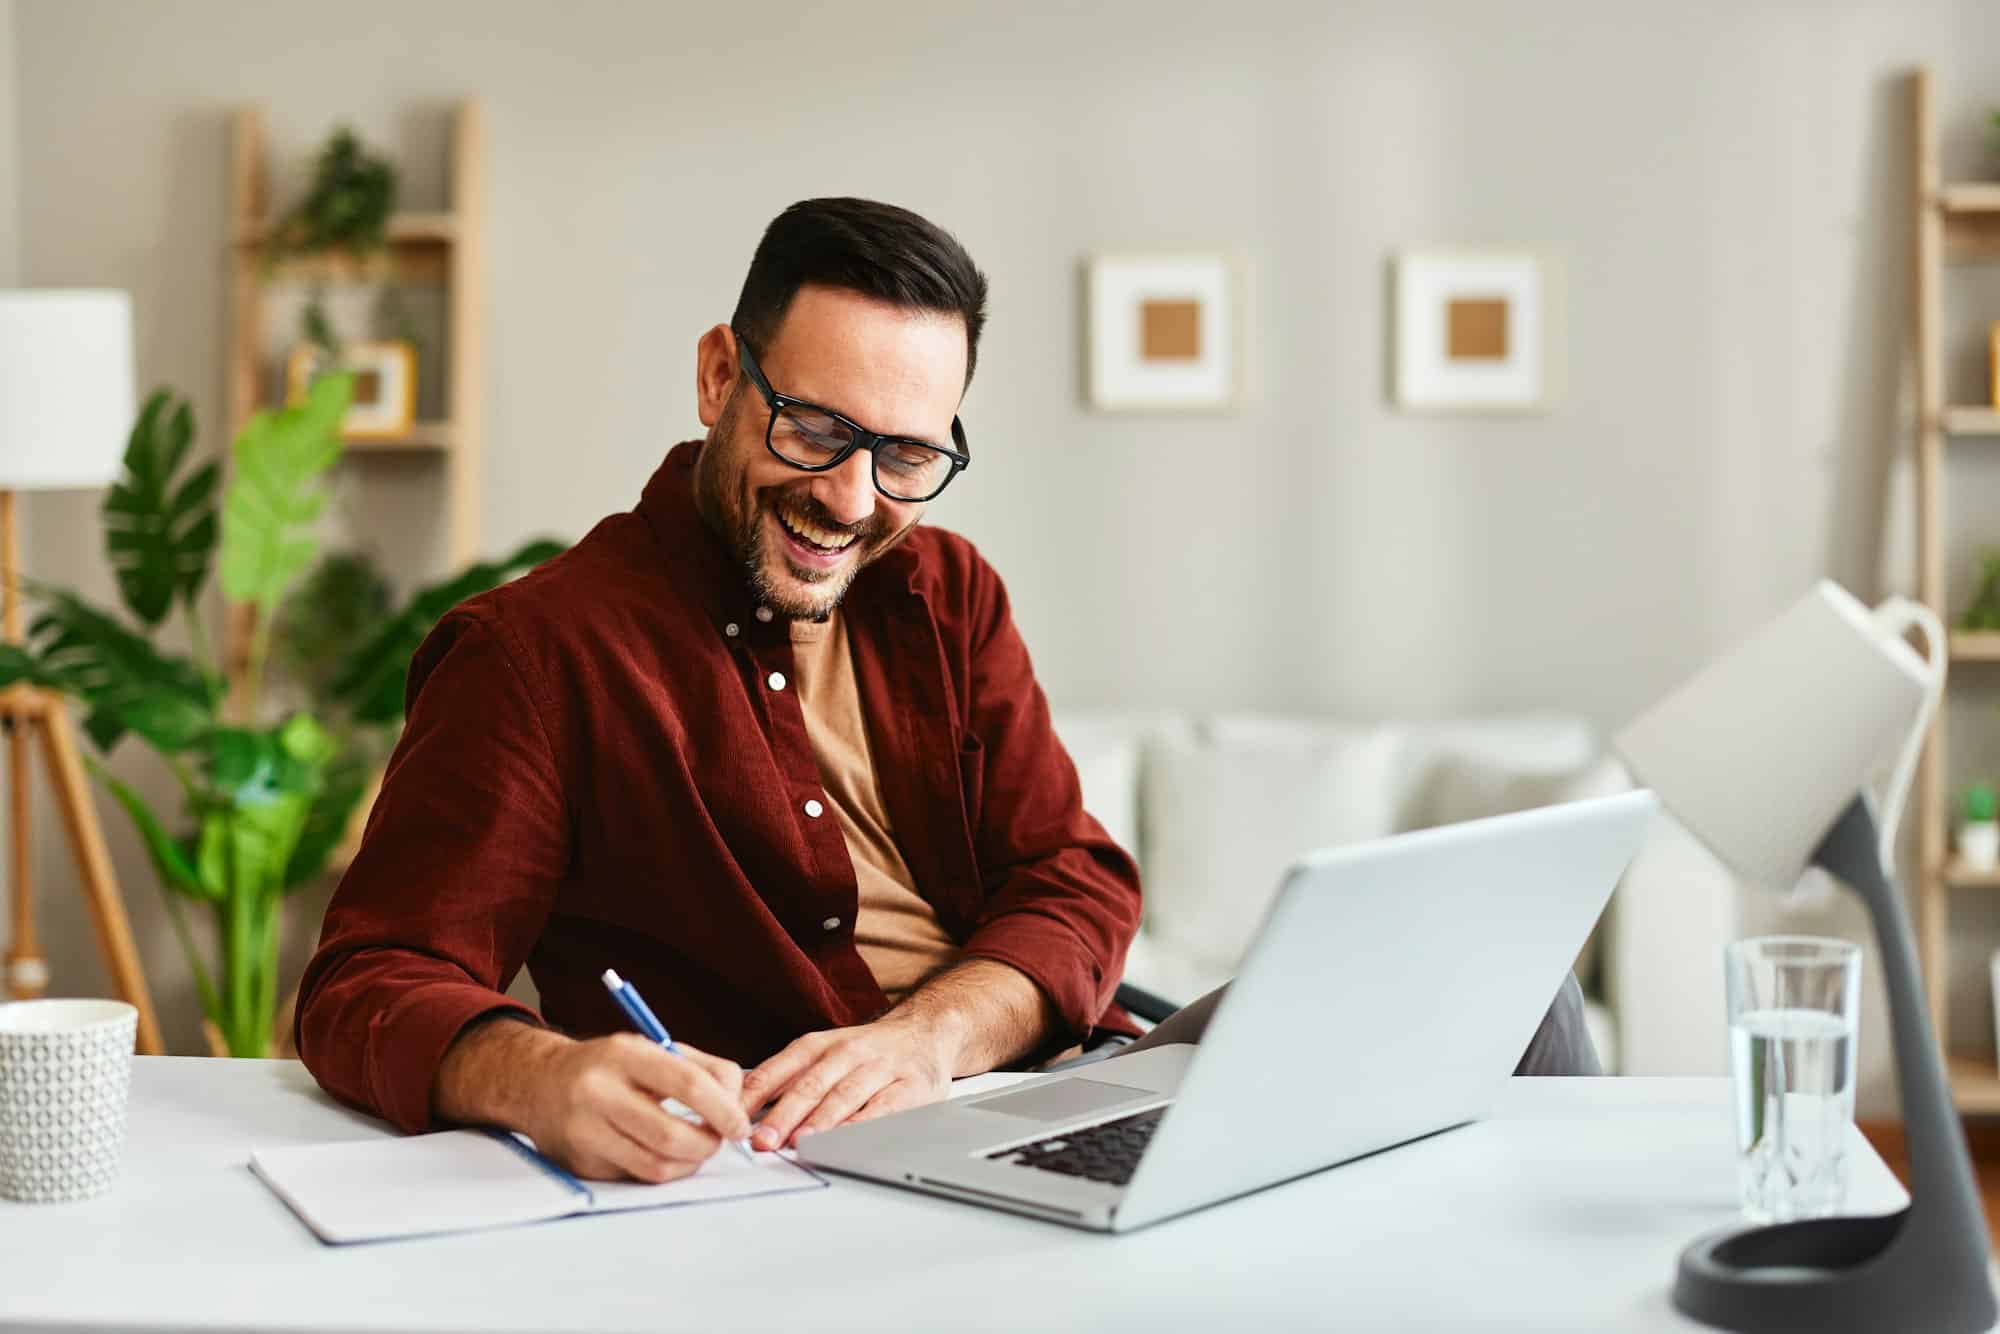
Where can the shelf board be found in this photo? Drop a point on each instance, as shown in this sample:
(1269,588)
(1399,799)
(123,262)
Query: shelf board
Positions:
(1970,420)
(1975,1083)
(1960,876)
(404,229)
(1975,645)
(422,436)
(1967,198)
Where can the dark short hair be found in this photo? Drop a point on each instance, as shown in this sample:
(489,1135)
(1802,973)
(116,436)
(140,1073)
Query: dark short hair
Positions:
(858,245)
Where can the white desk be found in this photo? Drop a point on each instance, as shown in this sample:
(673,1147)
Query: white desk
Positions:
(1564,1212)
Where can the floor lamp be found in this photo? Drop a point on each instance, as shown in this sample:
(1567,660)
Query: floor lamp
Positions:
(66,406)
(1767,757)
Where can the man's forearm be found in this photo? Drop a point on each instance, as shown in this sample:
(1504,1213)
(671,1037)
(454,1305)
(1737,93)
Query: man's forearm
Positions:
(488,1072)
(985,1013)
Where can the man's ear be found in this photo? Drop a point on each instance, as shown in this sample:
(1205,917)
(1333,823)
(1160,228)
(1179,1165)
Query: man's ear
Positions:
(715,372)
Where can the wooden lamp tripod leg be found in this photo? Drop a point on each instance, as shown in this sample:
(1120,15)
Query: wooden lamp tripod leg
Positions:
(100,884)
(27,973)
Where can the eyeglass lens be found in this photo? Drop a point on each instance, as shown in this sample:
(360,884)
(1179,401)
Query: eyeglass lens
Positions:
(904,469)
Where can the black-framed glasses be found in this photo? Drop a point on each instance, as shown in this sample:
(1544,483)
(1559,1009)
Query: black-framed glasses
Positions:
(818,439)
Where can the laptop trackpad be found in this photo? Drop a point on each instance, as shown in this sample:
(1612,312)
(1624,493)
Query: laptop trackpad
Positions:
(1062,1100)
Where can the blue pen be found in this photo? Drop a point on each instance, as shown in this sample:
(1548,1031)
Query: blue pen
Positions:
(643,1019)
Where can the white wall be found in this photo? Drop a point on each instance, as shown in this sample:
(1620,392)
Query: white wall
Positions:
(1725,183)
(10,167)
(10,174)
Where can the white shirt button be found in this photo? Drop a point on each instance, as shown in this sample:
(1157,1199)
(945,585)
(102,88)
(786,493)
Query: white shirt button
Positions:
(731,630)
(830,924)
(764,614)
(776,680)
(814,809)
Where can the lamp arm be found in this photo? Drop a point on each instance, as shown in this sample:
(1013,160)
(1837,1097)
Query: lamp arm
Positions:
(1944,1223)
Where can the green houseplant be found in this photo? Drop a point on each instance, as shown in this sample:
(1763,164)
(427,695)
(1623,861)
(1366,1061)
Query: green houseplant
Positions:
(264,801)
(1983,612)
(1978,834)
(345,210)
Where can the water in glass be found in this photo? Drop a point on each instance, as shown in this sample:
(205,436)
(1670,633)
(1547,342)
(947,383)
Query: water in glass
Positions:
(1794,1081)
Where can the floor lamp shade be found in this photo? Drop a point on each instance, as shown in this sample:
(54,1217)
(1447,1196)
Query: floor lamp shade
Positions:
(66,390)
(1760,753)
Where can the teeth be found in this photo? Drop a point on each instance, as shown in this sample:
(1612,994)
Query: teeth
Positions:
(817,535)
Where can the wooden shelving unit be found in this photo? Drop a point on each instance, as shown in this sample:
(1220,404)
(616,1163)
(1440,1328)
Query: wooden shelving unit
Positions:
(442,249)
(1972,421)
(1954,223)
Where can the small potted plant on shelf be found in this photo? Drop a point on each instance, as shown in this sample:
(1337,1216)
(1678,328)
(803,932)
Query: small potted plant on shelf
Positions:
(345,211)
(1979,834)
(1983,613)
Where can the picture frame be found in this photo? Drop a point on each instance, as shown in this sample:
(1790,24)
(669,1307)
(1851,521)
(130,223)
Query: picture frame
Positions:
(385,385)
(1160,332)
(1475,331)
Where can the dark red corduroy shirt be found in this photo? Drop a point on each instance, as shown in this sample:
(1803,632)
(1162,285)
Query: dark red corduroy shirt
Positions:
(605,766)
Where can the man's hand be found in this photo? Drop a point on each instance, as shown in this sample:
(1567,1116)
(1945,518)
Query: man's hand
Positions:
(847,1074)
(963,1021)
(594,1106)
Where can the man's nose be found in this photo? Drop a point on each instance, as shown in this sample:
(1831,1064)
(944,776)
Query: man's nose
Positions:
(848,492)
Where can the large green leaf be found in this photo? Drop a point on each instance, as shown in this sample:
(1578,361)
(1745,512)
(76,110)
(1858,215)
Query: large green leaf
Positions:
(280,458)
(19,666)
(125,684)
(177,875)
(326,824)
(370,681)
(160,535)
(265,788)
(170,859)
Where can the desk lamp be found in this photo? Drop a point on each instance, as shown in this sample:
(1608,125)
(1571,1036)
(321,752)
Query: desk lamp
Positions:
(1766,757)
(65,410)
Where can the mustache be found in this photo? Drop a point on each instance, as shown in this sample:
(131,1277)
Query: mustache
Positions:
(802,505)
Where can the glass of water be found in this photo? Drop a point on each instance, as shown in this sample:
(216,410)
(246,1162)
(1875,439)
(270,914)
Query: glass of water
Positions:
(1793,1002)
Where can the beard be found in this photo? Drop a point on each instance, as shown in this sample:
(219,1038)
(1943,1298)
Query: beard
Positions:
(736,512)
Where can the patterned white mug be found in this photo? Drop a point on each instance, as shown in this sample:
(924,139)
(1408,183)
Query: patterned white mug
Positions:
(65,1079)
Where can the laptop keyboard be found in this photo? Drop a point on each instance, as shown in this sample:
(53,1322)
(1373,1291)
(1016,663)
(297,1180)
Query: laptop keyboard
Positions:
(1107,1152)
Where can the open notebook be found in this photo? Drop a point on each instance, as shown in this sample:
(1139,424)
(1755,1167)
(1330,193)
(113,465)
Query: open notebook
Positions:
(464,1180)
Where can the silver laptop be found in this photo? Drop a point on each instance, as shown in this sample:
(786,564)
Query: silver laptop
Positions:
(1393,986)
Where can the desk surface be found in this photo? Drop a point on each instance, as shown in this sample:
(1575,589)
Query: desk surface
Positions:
(1564,1211)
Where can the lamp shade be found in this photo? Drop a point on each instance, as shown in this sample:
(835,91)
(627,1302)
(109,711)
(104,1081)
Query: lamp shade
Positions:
(66,391)
(1762,751)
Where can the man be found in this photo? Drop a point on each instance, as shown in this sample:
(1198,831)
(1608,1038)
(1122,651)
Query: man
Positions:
(763,745)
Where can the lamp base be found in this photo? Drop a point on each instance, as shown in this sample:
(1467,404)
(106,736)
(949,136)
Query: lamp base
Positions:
(1924,1268)
(1816,1275)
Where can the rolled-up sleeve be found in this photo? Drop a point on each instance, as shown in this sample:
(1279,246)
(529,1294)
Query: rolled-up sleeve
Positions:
(464,852)
(1061,898)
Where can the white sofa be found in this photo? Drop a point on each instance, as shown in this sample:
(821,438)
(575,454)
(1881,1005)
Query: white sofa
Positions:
(1214,809)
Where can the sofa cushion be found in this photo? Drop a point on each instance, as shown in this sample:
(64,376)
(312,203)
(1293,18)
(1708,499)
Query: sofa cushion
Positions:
(1106,748)
(1226,811)
(1473,769)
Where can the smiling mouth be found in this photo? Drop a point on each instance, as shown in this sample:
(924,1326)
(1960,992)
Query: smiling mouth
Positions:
(820,541)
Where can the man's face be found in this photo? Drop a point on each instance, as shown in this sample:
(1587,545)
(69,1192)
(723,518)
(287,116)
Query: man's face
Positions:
(802,537)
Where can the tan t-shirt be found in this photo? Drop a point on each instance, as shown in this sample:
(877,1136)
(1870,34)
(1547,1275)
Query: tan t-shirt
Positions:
(895,930)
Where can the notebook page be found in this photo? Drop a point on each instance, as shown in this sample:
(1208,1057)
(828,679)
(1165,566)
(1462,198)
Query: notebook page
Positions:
(725,1176)
(452,1181)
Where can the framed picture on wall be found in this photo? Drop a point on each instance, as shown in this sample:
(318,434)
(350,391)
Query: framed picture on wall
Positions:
(1160,333)
(1474,331)
(385,385)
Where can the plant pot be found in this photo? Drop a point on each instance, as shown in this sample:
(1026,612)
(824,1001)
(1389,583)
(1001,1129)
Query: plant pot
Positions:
(1979,844)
